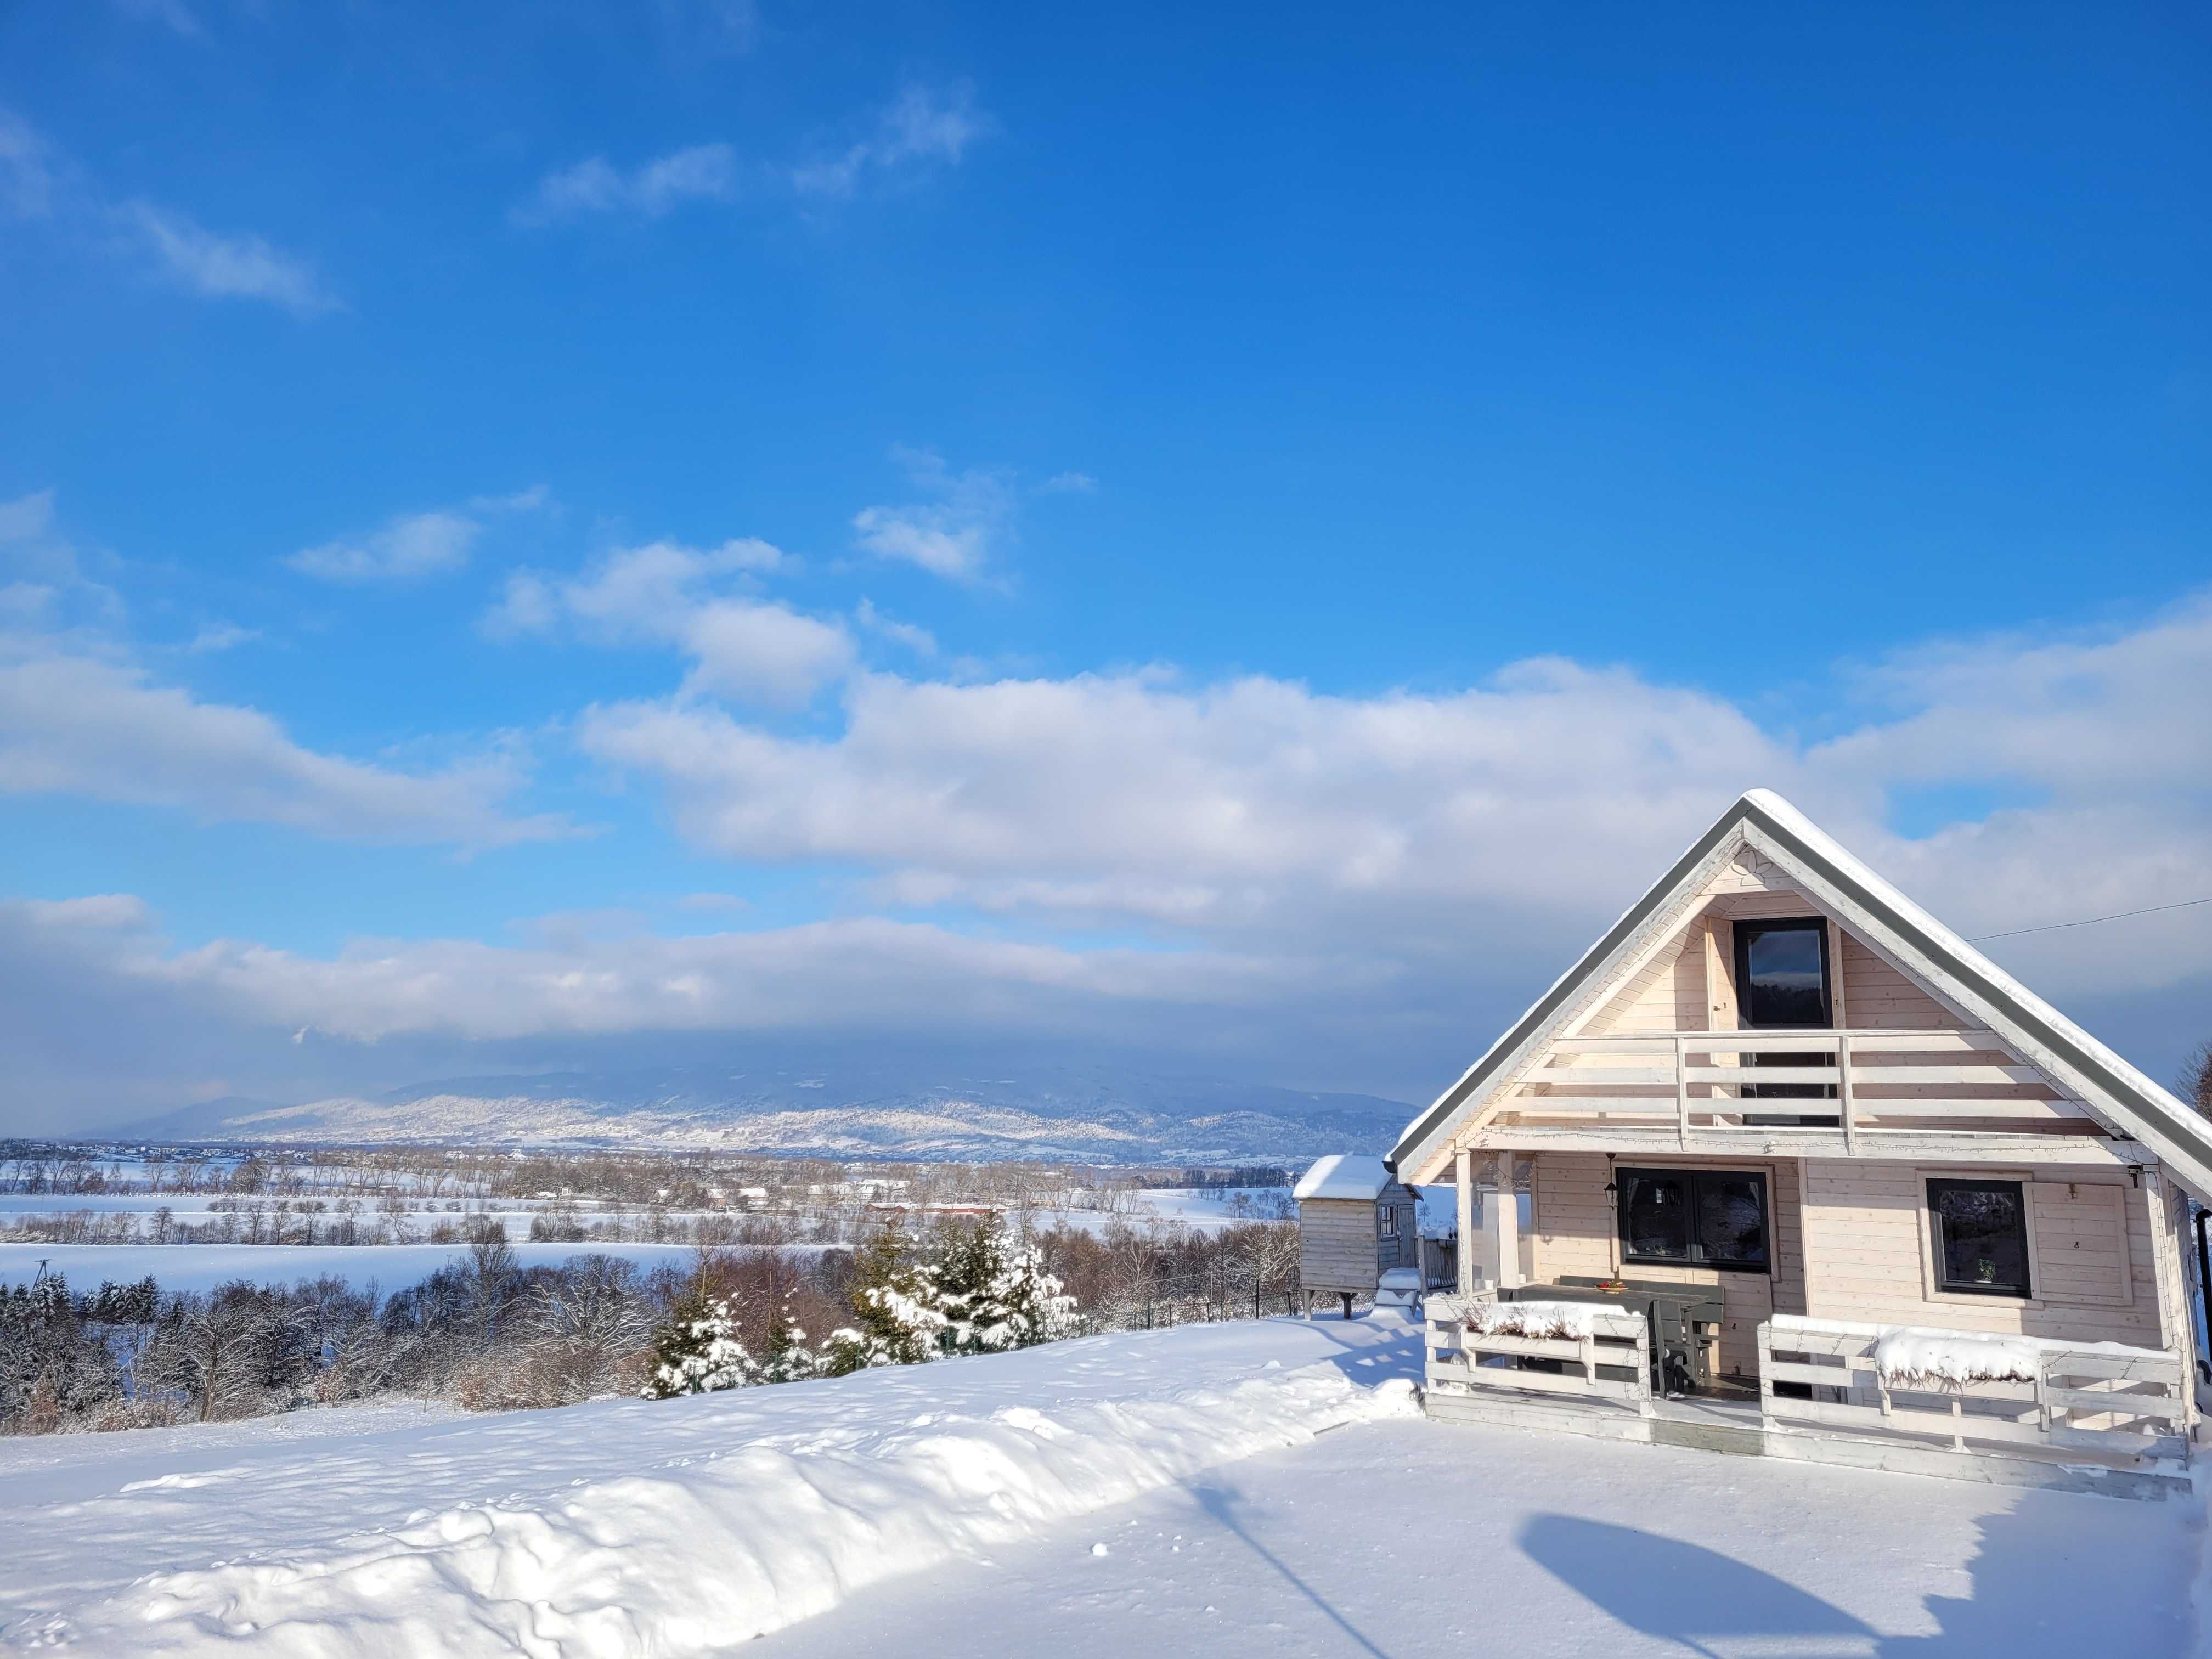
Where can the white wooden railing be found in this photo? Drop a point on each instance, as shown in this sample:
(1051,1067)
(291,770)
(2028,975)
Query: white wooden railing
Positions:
(1465,1360)
(2102,1397)
(1874,1081)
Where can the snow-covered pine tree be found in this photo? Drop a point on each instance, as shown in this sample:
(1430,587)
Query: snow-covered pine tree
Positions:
(897,1302)
(786,1357)
(697,1352)
(996,1294)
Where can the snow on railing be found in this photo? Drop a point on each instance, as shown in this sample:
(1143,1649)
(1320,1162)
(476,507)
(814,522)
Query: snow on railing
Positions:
(1477,1344)
(1961,1386)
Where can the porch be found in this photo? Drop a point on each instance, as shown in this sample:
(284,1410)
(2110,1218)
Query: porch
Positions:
(2102,1418)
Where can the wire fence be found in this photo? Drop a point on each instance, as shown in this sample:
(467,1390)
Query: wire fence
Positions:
(1193,1301)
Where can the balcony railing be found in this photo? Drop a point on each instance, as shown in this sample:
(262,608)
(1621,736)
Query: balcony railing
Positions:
(1862,1082)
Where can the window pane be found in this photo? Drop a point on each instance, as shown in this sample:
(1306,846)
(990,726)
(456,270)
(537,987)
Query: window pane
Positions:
(1732,1219)
(1983,1236)
(1782,982)
(1655,1212)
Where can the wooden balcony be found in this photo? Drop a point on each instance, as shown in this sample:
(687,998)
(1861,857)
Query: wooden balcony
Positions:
(1879,1092)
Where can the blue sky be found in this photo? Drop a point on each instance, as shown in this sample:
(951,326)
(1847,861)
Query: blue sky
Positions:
(1228,538)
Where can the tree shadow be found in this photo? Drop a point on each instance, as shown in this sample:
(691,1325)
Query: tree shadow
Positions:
(2065,1572)
(1678,1592)
(1222,1505)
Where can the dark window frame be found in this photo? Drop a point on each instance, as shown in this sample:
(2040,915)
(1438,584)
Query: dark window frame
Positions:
(1944,1284)
(1745,926)
(1390,1221)
(1695,1256)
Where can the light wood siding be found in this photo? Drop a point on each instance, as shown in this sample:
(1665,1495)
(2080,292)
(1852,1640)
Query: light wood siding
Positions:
(1342,1246)
(1878,997)
(1336,1245)
(1867,1254)
(1577,1235)
(1668,993)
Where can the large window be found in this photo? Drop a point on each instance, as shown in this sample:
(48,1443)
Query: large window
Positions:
(1782,981)
(1693,1219)
(1981,1236)
(1782,974)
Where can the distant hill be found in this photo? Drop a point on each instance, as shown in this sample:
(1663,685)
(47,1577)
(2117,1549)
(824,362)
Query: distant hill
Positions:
(1086,1114)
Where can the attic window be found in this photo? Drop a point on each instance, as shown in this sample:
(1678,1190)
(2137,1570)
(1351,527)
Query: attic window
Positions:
(1782,974)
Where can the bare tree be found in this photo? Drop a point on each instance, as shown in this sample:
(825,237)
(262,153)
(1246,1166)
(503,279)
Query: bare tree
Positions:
(2195,1082)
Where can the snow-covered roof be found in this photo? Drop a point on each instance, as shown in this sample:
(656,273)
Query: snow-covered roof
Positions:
(1344,1175)
(2116,1093)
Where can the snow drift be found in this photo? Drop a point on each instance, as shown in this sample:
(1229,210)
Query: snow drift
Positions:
(752,1531)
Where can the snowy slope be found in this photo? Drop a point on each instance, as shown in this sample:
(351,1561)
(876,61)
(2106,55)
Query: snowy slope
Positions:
(630,1528)
(1081,1114)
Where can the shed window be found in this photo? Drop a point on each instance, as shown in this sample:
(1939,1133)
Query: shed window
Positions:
(1389,1221)
(1981,1236)
(1693,1217)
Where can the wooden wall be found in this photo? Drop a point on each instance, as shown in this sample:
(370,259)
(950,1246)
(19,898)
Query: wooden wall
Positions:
(1340,1242)
(1576,1232)
(1866,1246)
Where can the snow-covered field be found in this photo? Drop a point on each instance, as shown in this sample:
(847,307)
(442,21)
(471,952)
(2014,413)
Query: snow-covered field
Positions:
(1217,1490)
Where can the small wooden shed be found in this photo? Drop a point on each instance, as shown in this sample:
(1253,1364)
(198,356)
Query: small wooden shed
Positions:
(1356,1221)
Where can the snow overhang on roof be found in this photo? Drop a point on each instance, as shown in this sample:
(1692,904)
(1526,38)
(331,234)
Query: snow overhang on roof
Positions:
(2126,1100)
(1344,1175)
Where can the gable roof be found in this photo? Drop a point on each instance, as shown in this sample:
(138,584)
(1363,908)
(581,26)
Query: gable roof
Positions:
(1344,1175)
(2122,1097)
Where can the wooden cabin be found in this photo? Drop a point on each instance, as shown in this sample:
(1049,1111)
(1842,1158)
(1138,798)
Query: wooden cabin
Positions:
(1356,1221)
(1810,1176)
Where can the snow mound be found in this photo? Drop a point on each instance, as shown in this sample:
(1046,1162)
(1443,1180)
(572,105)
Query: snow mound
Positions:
(750,1534)
(1343,1174)
(1909,1356)
(1571,1320)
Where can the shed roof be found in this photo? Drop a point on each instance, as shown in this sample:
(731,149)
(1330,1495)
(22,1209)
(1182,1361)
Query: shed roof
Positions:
(1345,1175)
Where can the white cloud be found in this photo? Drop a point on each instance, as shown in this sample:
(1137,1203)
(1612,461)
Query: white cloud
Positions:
(663,592)
(27,169)
(920,128)
(916,638)
(173,15)
(234,267)
(1520,814)
(905,975)
(412,545)
(221,637)
(94,910)
(72,725)
(954,535)
(702,172)
(38,182)
(27,517)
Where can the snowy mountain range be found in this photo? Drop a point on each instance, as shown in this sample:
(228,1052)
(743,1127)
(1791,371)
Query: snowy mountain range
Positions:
(1085,1113)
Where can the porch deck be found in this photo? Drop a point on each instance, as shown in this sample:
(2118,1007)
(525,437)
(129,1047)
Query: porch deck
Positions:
(2104,1419)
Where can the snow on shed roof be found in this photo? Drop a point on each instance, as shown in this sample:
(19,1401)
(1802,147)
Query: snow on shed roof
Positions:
(2113,1089)
(1344,1175)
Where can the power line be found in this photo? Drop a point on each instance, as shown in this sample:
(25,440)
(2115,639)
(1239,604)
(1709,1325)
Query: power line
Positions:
(2088,921)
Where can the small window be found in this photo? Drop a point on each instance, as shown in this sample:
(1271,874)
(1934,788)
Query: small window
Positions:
(1389,1221)
(1981,1236)
(1693,1217)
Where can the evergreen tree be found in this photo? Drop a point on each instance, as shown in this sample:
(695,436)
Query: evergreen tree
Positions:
(697,1352)
(996,1295)
(897,1301)
(788,1358)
